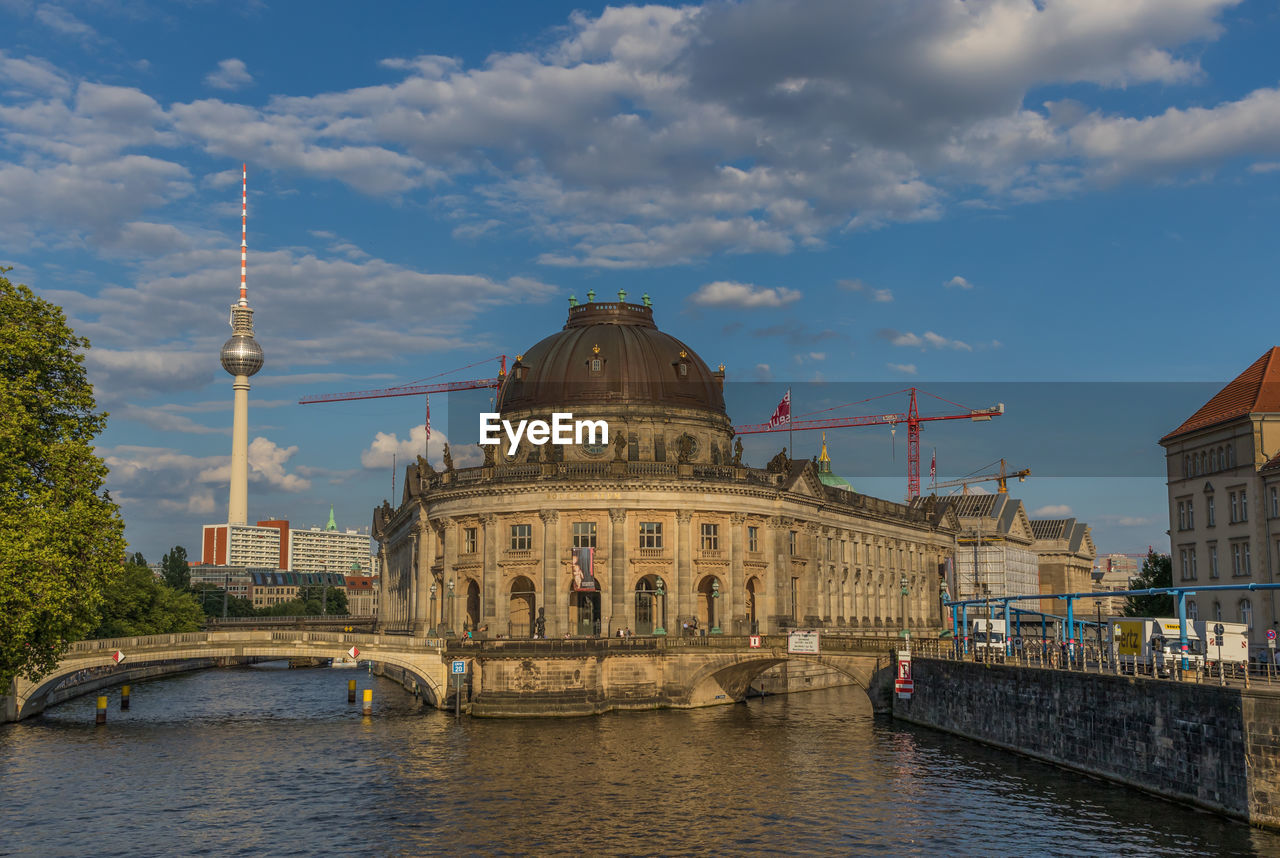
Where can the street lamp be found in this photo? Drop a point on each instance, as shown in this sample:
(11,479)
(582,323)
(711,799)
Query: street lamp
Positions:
(906,631)
(715,610)
(433,606)
(451,595)
(662,612)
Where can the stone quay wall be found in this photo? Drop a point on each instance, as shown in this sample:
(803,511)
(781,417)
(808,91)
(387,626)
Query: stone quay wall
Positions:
(1212,747)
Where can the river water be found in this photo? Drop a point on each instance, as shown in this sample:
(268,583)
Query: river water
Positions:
(269,761)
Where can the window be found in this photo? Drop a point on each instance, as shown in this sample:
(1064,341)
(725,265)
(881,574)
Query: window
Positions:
(1213,459)
(468,540)
(1213,561)
(1184,556)
(659,448)
(1244,552)
(1275,502)
(1191,611)
(1182,515)
(1246,613)
(521,537)
(595,364)
(1209,509)
(753,538)
(650,534)
(1239,559)
(791,543)
(633,447)
(710,537)
(1194,571)
(1186,467)
(1231,457)
(584,534)
(1235,508)
(1191,516)
(1244,504)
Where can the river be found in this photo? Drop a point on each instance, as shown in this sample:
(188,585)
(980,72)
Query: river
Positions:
(269,761)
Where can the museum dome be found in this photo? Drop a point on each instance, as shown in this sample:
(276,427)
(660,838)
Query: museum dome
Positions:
(611,354)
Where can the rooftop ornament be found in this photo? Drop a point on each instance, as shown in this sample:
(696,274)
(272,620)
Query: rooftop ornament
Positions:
(591,296)
(573,300)
(622,296)
(646,300)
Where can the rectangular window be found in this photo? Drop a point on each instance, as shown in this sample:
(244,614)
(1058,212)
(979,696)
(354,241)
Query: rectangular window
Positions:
(1275,503)
(1213,561)
(1235,508)
(791,543)
(521,537)
(1248,570)
(1191,515)
(584,534)
(650,534)
(633,447)
(659,448)
(469,540)
(1244,504)
(1209,510)
(753,538)
(1186,564)
(710,537)
(1235,560)
(1182,516)
(1194,571)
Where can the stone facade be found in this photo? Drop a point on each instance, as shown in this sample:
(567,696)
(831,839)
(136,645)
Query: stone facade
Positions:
(685,535)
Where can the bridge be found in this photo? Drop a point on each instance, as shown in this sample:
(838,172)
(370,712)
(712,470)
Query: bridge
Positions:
(504,678)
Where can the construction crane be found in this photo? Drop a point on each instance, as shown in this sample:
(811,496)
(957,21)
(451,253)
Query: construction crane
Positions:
(1002,476)
(911,417)
(423,390)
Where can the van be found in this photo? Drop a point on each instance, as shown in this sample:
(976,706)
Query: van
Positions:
(1154,644)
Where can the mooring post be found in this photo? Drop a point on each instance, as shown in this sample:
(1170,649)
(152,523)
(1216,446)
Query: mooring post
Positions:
(368,701)
(124,697)
(351,691)
(101,717)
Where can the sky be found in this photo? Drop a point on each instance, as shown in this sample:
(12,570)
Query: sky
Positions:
(1067,206)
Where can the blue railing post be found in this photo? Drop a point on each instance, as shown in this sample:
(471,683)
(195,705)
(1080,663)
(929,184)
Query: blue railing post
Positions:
(1008,644)
(1182,627)
(964,619)
(1071,628)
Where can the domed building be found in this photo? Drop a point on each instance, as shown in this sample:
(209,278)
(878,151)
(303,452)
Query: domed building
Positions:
(663,530)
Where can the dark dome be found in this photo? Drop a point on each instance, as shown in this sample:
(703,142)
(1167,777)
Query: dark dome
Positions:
(611,354)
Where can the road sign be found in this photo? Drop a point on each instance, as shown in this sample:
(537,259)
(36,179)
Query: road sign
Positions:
(803,642)
(117,656)
(1219,629)
(903,684)
(353,652)
(459,667)
(1271,634)
(754,642)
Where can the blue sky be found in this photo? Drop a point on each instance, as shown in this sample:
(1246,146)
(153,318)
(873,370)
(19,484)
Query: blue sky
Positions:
(983,197)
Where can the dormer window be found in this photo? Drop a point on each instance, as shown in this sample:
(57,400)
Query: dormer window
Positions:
(596,364)
(682,365)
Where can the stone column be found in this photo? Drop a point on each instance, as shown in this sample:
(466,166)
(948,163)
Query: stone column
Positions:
(779,532)
(551,596)
(617,572)
(422,578)
(380,621)
(684,569)
(449,607)
(493,610)
(734,618)
(811,586)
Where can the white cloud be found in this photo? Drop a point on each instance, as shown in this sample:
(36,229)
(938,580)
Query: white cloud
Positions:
(723,293)
(957,282)
(386,445)
(63,22)
(230,74)
(880,296)
(904,368)
(1060,510)
(924,341)
(267,465)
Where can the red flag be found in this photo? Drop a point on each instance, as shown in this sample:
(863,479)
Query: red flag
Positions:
(782,414)
(933,466)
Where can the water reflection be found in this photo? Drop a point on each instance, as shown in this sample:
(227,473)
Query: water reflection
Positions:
(242,762)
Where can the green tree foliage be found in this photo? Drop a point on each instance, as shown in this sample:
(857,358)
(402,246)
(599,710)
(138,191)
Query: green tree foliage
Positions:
(177,574)
(210,598)
(138,604)
(61,537)
(312,601)
(1157,571)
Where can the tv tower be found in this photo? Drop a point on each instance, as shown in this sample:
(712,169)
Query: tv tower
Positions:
(241,357)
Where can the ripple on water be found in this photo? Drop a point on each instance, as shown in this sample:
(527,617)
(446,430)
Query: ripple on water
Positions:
(254,761)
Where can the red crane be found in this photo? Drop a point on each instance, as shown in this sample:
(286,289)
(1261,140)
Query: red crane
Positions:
(424,390)
(912,418)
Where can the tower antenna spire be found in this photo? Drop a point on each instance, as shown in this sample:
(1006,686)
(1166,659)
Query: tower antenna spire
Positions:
(244,232)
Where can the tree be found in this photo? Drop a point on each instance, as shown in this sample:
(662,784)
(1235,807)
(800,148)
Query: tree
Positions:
(61,537)
(312,601)
(174,568)
(211,600)
(138,604)
(1157,571)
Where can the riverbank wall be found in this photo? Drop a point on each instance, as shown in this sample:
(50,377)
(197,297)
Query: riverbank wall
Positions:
(1212,747)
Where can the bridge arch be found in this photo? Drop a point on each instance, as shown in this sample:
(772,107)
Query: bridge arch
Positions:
(731,676)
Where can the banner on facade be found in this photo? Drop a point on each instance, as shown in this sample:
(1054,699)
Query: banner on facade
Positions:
(584,569)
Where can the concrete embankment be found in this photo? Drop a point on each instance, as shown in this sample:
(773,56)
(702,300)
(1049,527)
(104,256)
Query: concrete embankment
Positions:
(1212,747)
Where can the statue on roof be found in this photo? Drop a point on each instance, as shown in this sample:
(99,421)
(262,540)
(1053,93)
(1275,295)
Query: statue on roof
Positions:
(448,460)
(779,464)
(619,447)
(685,451)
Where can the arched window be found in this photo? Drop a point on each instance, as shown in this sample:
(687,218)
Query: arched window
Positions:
(1213,459)
(1231,457)
(1246,613)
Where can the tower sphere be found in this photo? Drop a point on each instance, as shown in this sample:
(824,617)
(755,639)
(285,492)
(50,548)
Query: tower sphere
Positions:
(241,355)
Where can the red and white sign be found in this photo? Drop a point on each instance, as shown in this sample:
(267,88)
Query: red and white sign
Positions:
(782,414)
(754,642)
(902,683)
(117,656)
(353,652)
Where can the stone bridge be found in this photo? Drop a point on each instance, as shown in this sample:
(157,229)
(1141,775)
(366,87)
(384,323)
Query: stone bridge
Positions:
(505,678)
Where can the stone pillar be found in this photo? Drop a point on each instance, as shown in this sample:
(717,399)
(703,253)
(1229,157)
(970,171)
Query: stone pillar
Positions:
(449,608)
(551,596)
(684,569)
(734,618)
(493,610)
(779,531)
(811,586)
(422,620)
(384,575)
(617,572)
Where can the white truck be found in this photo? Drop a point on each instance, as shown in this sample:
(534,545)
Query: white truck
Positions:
(1232,646)
(1154,643)
(988,636)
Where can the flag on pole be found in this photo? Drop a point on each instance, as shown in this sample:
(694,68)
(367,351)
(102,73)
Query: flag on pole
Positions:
(782,414)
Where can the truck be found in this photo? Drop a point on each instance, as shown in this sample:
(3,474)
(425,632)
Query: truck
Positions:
(1153,643)
(1234,642)
(988,636)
